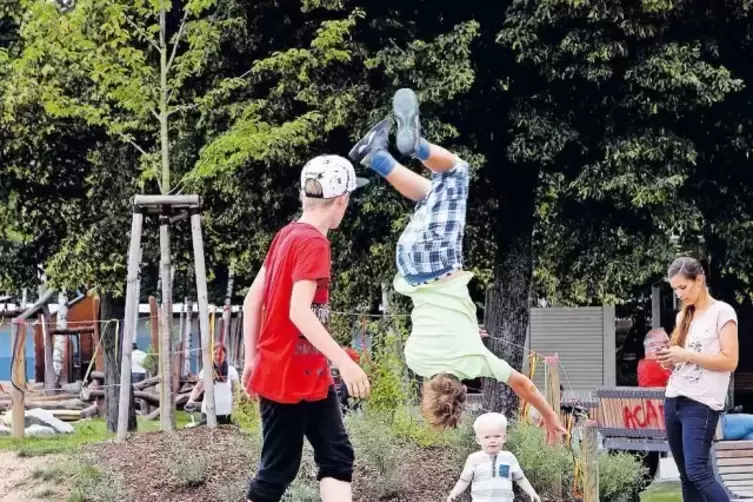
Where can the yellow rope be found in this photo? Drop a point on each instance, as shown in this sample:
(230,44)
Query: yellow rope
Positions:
(533,360)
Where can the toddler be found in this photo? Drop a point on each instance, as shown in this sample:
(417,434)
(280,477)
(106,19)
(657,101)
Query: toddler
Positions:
(491,471)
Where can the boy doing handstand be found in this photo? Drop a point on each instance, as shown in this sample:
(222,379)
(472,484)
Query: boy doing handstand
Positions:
(444,346)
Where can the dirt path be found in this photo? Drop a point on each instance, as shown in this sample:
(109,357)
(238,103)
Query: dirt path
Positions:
(16,484)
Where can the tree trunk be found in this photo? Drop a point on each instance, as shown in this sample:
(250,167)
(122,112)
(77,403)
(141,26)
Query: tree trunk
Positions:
(60,341)
(508,301)
(111,308)
(167,414)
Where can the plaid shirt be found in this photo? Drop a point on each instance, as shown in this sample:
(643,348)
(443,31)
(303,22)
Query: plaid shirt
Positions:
(432,243)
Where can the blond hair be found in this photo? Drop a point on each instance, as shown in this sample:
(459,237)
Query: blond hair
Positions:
(491,419)
(311,196)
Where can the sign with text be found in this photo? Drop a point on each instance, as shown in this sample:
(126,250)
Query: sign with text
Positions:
(633,409)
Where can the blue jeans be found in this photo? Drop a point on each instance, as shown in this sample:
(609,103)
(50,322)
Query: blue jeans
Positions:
(690,430)
(737,426)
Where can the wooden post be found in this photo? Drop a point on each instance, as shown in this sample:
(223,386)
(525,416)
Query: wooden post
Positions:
(201,291)
(99,359)
(188,338)
(131,308)
(238,339)
(18,379)
(554,398)
(226,313)
(167,401)
(49,368)
(589,452)
(154,324)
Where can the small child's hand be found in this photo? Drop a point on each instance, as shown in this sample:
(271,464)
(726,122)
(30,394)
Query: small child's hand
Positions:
(450,497)
(535,498)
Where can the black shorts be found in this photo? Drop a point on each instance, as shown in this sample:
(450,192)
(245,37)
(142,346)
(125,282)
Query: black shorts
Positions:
(283,427)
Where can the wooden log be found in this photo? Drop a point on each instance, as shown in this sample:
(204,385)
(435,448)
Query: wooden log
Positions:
(91,411)
(145,384)
(174,201)
(201,291)
(132,305)
(589,452)
(138,394)
(179,400)
(70,404)
(78,330)
(18,376)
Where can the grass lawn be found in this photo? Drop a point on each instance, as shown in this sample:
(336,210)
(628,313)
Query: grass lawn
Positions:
(662,492)
(86,431)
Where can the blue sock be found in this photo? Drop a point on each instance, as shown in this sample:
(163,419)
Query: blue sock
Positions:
(383,163)
(424,150)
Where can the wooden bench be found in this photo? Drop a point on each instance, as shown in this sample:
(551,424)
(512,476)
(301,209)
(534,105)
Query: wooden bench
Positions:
(733,467)
(632,418)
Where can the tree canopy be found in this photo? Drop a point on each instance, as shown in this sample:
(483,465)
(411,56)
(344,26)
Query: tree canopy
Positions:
(604,136)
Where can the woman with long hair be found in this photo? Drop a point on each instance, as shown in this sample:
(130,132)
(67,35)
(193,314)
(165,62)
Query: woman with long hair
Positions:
(224,377)
(702,353)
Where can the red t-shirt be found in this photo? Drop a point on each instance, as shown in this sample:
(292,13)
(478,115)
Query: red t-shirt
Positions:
(288,369)
(652,374)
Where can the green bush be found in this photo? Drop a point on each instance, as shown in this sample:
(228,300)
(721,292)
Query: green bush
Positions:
(619,474)
(542,464)
(246,412)
(377,446)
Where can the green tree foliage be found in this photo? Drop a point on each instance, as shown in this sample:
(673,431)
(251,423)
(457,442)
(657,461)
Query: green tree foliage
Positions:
(621,99)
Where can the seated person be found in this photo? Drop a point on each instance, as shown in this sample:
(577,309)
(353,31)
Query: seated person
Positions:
(650,372)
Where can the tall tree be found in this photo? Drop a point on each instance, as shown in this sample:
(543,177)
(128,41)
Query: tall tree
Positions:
(603,99)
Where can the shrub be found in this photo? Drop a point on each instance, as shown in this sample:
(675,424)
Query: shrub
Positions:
(376,445)
(188,469)
(619,474)
(90,483)
(542,464)
(246,412)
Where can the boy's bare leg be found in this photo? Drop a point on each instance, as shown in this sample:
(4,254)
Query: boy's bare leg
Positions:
(333,490)
(372,152)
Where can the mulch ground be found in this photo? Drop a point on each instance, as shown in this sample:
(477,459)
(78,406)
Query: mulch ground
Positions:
(200,465)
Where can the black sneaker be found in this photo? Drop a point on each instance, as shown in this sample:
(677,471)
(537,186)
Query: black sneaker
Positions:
(405,110)
(376,139)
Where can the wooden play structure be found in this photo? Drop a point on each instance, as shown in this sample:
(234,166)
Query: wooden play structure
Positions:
(632,419)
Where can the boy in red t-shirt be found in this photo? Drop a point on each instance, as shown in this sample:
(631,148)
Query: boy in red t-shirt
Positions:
(288,348)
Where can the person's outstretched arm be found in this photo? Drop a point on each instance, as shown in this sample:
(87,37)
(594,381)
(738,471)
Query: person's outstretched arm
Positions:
(527,391)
